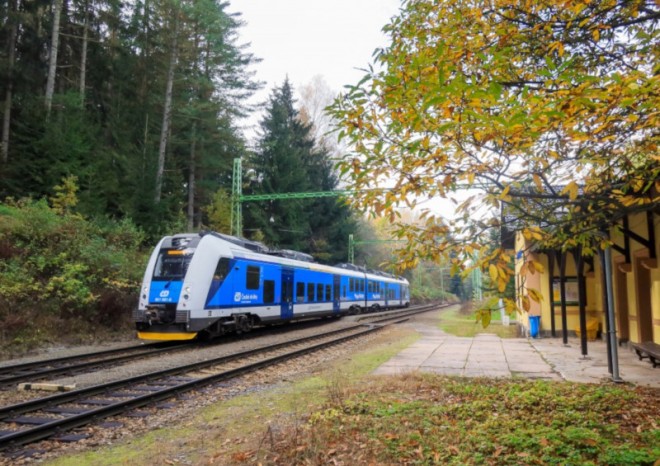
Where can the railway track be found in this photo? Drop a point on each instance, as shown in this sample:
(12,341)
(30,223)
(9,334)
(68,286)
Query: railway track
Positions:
(52,416)
(69,365)
(36,371)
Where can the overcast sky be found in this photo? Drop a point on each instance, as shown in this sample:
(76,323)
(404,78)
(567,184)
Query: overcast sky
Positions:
(304,38)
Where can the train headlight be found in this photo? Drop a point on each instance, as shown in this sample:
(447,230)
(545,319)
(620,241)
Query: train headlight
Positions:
(186,294)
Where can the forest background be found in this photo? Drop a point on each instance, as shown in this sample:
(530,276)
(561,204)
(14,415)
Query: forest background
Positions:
(120,124)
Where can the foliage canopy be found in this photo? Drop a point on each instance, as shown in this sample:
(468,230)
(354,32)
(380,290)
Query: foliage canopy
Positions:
(549,108)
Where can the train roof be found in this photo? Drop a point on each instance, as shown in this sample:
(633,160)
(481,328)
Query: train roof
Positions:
(257,250)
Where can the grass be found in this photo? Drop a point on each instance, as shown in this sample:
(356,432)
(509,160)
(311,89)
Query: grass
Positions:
(462,324)
(427,419)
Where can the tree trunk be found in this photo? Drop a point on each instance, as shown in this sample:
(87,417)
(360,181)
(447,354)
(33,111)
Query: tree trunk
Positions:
(167,112)
(6,114)
(144,57)
(191,180)
(52,65)
(83,58)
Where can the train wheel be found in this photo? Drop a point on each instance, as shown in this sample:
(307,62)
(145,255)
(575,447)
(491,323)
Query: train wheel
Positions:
(243,323)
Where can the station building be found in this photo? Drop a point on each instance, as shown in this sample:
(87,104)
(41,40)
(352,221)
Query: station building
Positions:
(573,288)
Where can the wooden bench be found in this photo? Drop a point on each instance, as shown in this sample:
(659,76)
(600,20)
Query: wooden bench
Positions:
(649,350)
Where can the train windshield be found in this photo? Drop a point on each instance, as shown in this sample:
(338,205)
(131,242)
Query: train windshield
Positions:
(172,265)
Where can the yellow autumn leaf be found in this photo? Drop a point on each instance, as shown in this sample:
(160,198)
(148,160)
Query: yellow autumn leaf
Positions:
(535,295)
(538,266)
(505,194)
(525,303)
(501,285)
(571,189)
(492,270)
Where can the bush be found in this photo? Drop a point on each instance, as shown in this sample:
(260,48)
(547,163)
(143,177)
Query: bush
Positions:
(64,278)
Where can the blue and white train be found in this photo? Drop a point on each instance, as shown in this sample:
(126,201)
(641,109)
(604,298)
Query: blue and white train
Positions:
(208,284)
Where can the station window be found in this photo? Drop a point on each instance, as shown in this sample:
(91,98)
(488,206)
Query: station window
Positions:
(252,278)
(269,291)
(319,292)
(300,292)
(310,292)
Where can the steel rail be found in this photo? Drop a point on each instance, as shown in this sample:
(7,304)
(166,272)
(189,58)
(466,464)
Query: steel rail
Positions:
(57,426)
(72,368)
(21,372)
(64,359)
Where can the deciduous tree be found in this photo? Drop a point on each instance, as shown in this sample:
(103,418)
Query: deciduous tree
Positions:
(549,107)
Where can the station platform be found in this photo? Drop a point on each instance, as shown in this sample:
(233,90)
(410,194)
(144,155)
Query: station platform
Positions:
(487,355)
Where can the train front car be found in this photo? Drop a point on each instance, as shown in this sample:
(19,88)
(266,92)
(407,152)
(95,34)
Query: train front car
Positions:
(171,288)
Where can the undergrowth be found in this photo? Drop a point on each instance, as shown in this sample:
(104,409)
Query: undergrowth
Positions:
(426,419)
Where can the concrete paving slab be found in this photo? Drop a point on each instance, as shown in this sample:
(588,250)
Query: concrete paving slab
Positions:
(452,364)
(445,371)
(530,368)
(487,355)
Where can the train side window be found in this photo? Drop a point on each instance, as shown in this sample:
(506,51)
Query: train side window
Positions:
(336,291)
(361,282)
(310,292)
(300,292)
(252,277)
(221,270)
(351,285)
(269,291)
(328,293)
(319,292)
(344,293)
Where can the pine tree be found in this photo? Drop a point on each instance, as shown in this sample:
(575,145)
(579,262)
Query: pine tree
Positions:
(288,160)
(279,167)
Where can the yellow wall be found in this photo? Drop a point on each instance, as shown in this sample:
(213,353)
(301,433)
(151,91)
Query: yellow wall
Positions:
(637,224)
(594,305)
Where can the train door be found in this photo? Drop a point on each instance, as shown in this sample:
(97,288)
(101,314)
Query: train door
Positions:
(386,294)
(336,285)
(286,303)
